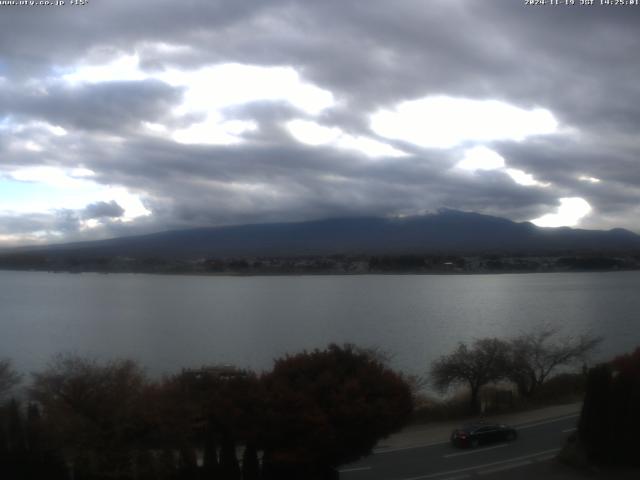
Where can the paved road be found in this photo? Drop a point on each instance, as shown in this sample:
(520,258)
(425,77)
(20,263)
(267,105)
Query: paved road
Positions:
(538,441)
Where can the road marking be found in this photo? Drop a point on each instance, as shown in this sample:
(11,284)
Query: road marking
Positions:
(544,422)
(411,447)
(485,465)
(354,469)
(489,471)
(459,477)
(569,430)
(476,450)
(544,458)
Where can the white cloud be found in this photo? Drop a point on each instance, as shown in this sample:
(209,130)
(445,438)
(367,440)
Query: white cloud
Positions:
(51,176)
(586,178)
(483,158)
(31,146)
(568,214)
(211,89)
(213,131)
(43,189)
(123,68)
(220,86)
(523,178)
(444,122)
(368,146)
(312,133)
(90,223)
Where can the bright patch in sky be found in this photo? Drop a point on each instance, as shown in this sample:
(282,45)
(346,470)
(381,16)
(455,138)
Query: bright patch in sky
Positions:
(569,213)
(45,189)
(213,131)
(210,90)
(124,68)
(483,158)
(314,134)
(444,122)
(523,178)
(56,130)
(31,146)
(220,86)
(585,178)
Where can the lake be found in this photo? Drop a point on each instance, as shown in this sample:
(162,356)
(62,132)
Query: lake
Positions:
(169,322)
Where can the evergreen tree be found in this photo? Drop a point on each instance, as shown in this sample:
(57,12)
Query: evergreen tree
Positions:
(250,463)
(187,463)
(167,465)
(16,430)
(593,427)
(210,465)
(229,467)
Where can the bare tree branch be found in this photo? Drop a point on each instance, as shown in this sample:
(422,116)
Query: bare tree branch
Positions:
(9,378)
(534,356)
(475,366)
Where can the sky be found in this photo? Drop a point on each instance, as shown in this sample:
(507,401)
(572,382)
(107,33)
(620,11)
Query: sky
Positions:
(121,118)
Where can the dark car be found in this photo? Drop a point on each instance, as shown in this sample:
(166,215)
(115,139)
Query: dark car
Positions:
(477,434)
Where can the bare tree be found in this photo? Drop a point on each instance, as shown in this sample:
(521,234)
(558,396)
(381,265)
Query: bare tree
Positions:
(9,378)
(533,357)
(93,409)
(475,366)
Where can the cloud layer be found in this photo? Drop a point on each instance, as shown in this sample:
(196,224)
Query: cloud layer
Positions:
(218,112)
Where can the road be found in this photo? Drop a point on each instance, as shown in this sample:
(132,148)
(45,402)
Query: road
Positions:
(538,441)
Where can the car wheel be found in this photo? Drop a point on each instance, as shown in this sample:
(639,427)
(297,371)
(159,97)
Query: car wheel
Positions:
(474,443)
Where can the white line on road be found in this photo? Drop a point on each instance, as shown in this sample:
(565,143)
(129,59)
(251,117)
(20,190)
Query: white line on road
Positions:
(544,422)
(544,458)
(411,447)
(485,465)
(354,469)
(569,430)
(476,450)
(504,467)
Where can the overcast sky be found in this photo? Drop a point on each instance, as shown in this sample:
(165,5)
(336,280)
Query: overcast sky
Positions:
(123,117)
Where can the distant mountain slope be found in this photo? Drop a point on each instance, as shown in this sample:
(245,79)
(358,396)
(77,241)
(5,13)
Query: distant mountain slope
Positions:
(448,231)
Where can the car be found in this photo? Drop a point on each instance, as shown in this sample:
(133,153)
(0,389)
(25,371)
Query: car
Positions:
(475,434)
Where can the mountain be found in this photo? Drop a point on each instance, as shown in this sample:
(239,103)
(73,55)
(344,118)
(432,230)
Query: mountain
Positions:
(447,231)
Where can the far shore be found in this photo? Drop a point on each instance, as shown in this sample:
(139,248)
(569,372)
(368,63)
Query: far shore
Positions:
(314,273)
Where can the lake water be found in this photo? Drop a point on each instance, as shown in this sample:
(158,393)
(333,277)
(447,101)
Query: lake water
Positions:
(169,322)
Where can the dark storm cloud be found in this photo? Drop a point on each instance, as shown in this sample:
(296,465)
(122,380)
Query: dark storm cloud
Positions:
(225,185)
(10,224)
(580,63)
(34,40)
(103,210)
(110,107)
(62,221)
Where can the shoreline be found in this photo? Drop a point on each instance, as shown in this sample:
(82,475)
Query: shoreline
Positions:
(314,273)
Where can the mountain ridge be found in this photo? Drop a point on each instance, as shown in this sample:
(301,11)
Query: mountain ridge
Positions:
(447,231)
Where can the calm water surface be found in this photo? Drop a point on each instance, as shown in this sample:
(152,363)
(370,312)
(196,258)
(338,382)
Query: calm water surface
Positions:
(168,322)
